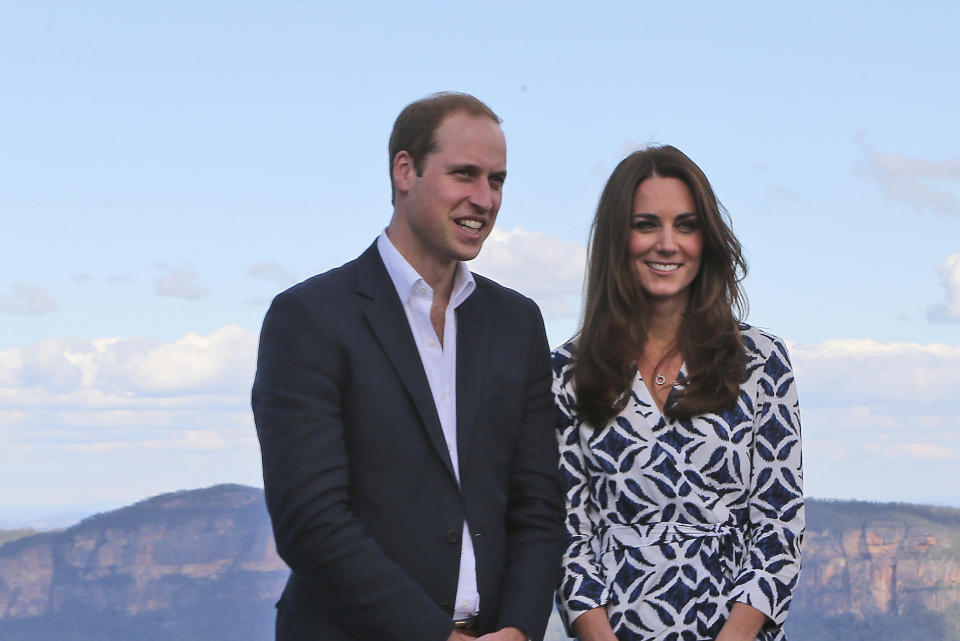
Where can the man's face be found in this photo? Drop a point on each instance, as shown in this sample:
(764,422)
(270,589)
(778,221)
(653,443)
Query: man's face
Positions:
(449,210)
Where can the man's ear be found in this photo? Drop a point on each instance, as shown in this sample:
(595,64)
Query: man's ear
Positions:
(403,170)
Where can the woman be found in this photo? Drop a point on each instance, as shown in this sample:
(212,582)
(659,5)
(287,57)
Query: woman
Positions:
(680,433)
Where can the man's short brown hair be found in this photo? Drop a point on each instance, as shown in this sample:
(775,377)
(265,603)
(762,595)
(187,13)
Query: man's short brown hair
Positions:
(414,128)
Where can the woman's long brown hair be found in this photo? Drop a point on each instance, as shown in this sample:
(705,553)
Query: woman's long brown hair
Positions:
(613,332)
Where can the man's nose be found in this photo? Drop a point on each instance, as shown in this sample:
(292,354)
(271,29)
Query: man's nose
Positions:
(483,196)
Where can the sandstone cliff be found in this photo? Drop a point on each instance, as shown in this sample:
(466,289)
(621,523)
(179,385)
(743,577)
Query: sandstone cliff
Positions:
(202,565)
(180,561)
(872,567)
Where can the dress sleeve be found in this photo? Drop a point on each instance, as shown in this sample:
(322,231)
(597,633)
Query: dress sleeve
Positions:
(582,587)
(772,564)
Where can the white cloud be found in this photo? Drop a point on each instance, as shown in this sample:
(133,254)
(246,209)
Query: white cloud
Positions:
(178,282)
(260,302)
(117,371)
(181,407)
(880,420)
(949,310)
(198,440)
(831,451)
(778,194)
(27,298)
(854,418)
(192,364)
(546,268)
(848,371)
(915,181)
(271,271)
(921,452)
(10,365)
(893,433)
(64,397)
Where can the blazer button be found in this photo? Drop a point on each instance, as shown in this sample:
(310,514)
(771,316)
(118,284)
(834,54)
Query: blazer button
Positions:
(453,536)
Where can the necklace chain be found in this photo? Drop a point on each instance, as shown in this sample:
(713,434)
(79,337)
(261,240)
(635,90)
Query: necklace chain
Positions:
(659,379)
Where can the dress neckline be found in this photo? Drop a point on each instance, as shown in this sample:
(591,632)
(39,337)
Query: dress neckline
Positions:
(643,394)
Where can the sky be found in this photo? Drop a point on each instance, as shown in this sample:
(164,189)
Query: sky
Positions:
(168,167)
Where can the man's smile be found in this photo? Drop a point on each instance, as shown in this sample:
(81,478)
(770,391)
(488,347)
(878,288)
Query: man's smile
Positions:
(470,223)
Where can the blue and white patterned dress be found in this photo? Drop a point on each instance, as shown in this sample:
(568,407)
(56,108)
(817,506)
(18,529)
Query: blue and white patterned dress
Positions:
(671,521)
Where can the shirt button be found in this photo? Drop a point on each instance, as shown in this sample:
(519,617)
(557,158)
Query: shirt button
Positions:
(453,536)
(431,343)
(443,395)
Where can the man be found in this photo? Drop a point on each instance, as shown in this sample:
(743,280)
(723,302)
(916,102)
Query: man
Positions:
(404,414)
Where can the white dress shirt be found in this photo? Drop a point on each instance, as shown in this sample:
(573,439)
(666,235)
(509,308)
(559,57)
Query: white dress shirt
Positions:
(440,364)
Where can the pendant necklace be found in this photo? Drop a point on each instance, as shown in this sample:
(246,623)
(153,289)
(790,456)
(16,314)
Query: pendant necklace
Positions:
(660,379)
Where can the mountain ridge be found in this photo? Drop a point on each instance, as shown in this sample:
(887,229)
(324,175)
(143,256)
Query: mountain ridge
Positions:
(201,564)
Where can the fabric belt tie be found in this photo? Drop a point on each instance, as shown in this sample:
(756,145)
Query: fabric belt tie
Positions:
(639,536)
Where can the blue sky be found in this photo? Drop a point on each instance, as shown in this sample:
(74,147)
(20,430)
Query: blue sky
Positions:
(168,167)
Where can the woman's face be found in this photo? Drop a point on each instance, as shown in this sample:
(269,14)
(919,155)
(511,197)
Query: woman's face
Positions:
(666,240)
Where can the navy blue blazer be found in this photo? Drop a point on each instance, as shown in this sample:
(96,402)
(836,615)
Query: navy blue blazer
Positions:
(365,507)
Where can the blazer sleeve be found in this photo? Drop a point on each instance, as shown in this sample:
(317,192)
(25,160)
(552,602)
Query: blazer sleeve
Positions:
(297,410)
(772,565)
(535,508)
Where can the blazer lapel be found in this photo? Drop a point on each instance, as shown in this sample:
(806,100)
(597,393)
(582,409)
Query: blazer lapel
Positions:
(473,336)
(389,323)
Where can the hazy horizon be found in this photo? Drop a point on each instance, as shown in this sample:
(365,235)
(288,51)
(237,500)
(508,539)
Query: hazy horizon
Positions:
(51,517)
